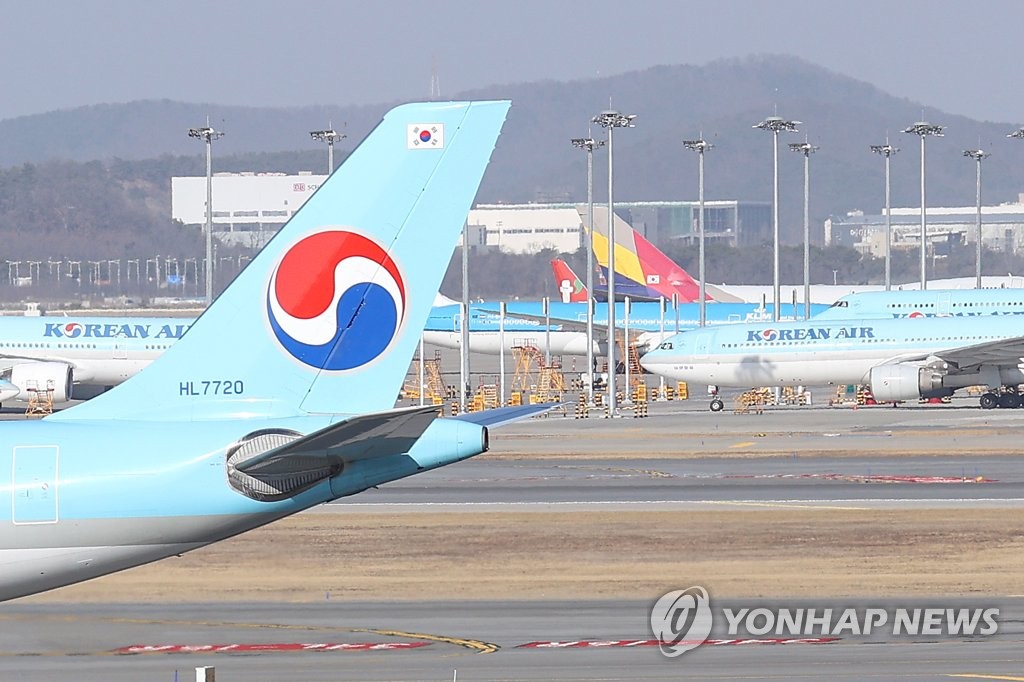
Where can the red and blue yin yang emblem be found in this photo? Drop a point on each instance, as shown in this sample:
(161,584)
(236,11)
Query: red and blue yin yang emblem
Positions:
(336,300)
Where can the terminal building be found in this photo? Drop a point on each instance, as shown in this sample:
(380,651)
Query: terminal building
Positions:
(529,228)
(1002,229)
(248,208)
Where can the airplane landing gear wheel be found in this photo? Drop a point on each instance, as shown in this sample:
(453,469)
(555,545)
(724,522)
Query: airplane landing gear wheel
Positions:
(989,401)
(1009,400)
(717,405)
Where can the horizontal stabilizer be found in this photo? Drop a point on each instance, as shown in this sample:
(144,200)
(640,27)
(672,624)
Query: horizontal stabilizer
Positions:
(721,295)
(505,415)
(367,436)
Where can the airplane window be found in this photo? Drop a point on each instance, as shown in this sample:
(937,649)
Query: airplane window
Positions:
(666,346)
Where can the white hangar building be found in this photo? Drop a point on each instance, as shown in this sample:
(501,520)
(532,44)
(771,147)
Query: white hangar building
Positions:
(248,208)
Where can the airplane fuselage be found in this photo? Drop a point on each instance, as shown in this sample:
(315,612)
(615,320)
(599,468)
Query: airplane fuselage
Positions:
(70,512)
(103,351)
(816,352)
(965,303)
(524,324)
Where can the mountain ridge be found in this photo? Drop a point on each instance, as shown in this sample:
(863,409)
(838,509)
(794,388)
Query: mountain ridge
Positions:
(534,160)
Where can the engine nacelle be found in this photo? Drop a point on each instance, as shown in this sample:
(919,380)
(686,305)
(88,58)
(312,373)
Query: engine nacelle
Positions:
(890,383)
(33,377)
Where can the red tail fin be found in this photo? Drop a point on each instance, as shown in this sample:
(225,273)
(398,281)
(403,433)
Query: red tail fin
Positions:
(663,275)
(570,287)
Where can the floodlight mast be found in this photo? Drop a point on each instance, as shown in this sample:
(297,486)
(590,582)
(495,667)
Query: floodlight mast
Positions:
(208,135)
(977,155)
(589,144)
(924,129)
(806,148)
(887,150)
(700,146)
(330,136)
(611,120)
(775,125)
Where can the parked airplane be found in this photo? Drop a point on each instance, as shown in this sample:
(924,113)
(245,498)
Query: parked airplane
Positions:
(571,288)
(638,260)
(899,359)
(280,396)
(56,353)
(829,293)
(525,323)
(927,303)
(642,271)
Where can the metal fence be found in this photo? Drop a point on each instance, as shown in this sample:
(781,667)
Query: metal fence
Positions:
(156,276)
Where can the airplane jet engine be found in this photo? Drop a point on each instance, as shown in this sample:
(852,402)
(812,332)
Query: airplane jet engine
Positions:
(891,383)
(30,377)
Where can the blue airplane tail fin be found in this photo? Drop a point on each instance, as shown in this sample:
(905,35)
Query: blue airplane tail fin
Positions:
(326,317)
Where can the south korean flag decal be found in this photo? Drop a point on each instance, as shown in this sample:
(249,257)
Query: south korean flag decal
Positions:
(425,136)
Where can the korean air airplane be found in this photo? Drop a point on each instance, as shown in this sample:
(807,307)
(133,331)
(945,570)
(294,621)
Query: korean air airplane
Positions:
(525,323)
(54,354)
(900,359)
(927,303)
(280,397)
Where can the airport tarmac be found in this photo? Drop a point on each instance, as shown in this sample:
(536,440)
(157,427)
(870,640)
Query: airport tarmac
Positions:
(557,500)
(488,640)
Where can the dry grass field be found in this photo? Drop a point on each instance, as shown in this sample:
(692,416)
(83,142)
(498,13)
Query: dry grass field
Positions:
(765,551)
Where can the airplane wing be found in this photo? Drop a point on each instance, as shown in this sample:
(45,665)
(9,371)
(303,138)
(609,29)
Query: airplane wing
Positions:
(8,360)
(367,436)
(505,415)
(721,295)
(969,358)
(557,323)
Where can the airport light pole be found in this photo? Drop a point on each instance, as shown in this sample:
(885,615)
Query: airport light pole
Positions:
(330,136)
(887,150)
(589,144)
(806,148)
(977,155)
(924,129)
(464,375)
(775,125)
(612,120)
(700,146)
(208,135)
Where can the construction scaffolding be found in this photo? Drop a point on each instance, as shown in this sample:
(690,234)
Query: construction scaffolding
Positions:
(525,358)
(434,389)
(485,398)
(550,382)
(636,372)
(40,401)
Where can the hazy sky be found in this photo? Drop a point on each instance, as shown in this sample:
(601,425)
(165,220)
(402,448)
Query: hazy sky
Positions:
(963,57)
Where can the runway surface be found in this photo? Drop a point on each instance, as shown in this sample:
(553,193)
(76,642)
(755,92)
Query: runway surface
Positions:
(682,457)
(477,641)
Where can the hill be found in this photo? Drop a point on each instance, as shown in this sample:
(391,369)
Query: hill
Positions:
(534,159)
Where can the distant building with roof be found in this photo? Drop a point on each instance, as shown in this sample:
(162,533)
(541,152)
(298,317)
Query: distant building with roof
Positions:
(1002,229)
(248,208)
(529,228)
